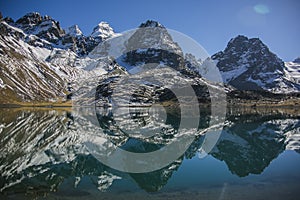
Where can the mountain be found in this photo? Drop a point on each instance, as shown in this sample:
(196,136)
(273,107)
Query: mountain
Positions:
(58,152)
(292,70)
(42,62)
(248,64)
(152,43)
(42,26)
(74,31)
(145,55)
(102,31)
(43,31)
(24,74)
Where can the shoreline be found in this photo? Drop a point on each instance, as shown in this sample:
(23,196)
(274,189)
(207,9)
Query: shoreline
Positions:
(230,104)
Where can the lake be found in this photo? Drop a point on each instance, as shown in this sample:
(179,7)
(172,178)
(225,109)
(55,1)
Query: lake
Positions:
(69,153)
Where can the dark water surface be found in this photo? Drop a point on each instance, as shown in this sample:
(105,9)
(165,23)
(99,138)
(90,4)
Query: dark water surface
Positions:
(43,154)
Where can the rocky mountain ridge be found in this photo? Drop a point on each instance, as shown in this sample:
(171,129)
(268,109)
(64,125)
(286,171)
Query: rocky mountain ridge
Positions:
(43,31)
(41,62)
(248,64)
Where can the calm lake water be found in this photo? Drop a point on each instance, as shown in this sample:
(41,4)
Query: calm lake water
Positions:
(44,154)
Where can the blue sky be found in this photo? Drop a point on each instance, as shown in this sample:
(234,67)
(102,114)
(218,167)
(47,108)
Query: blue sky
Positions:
(211,23)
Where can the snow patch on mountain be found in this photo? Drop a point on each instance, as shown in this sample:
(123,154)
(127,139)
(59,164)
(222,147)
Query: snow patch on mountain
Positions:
(103,31)
(292,71)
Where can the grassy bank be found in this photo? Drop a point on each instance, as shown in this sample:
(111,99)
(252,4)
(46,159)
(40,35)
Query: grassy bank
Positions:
(293,102)
(37,104)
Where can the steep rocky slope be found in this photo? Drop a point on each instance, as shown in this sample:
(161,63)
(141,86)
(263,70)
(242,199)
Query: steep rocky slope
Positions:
(248,64)
(41,62)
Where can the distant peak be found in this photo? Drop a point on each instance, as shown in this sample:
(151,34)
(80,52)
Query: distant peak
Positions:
(238,39)
(241,38)
(103,30)
(74,31)
(151,23)
(30,18)
(297,60)
(243,43)
(103,23)
(33,18)
(33,14)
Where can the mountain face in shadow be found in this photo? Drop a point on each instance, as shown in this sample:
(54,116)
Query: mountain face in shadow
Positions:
(43,150)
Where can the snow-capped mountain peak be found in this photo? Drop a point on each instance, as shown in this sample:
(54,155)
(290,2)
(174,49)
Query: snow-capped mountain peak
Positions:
(74,31)
(102,30)
(292,70)
(42,26)
(248,64)
(35,49)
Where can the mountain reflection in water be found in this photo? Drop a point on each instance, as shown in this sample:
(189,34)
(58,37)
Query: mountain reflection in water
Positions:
(43,151)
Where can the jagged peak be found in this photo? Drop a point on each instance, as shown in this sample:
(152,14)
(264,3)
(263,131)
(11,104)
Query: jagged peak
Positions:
(103,30)
(32,14)
(9,20)
(243,43)
(102,24)
(74,31)
(30,18)
(34,18)
(36,15)
(151,23)
(238,38)
(241,38)
(42,26)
